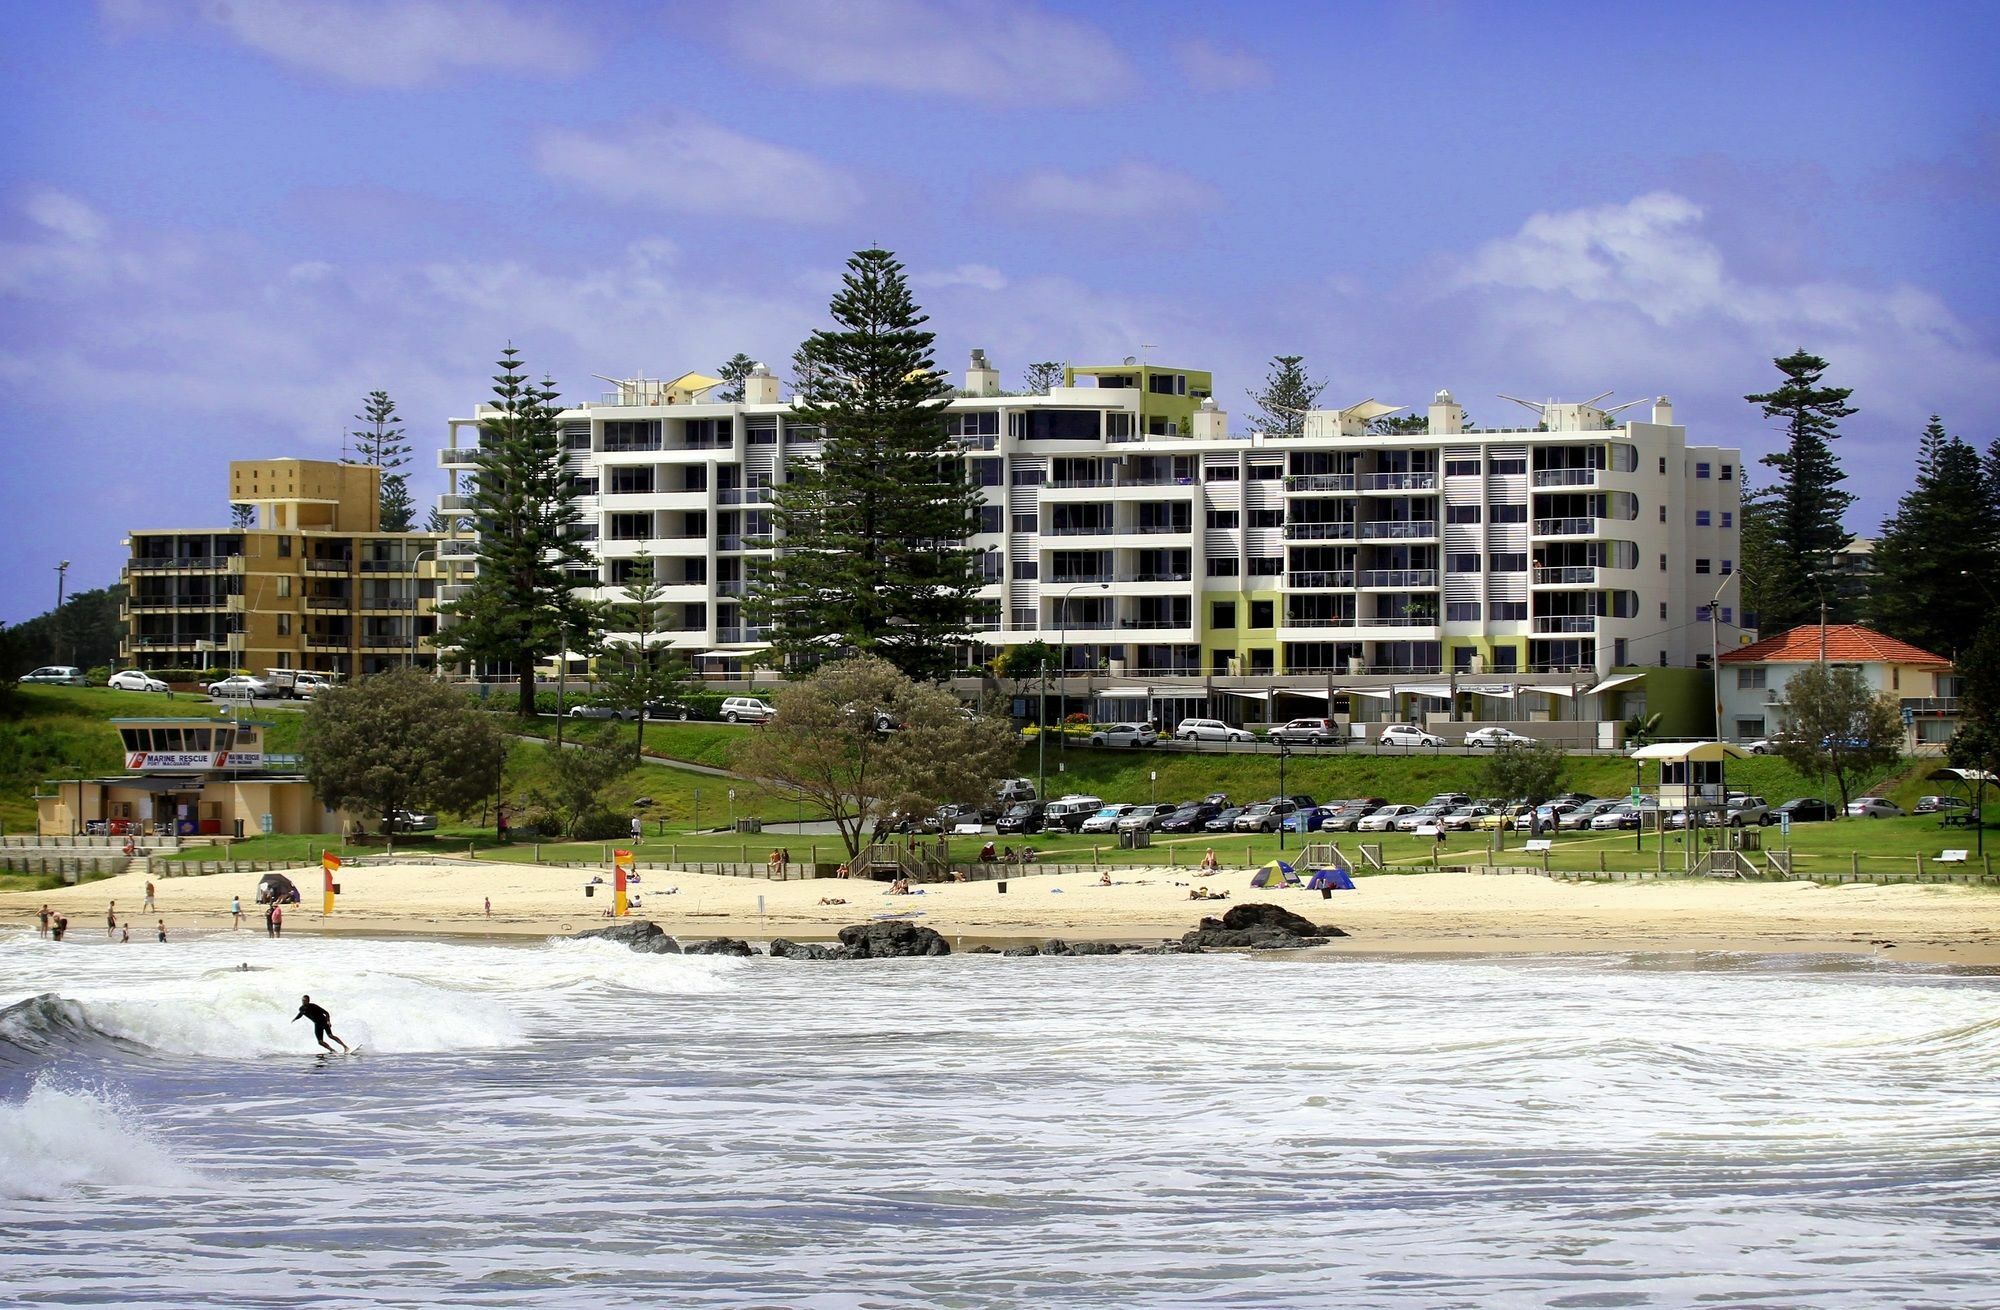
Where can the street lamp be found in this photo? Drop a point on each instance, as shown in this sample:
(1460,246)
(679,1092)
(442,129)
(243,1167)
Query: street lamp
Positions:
(416,598)
(1042,734)
(1062,655)
(1283,751)
(1715,646)
(62,580)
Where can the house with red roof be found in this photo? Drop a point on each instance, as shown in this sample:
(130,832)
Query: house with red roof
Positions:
(1752,681)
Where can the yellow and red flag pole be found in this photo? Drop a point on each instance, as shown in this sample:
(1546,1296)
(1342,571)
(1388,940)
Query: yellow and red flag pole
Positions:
(621,868)
(329,864)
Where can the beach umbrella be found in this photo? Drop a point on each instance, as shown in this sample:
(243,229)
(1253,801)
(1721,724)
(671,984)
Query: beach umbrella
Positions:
(275,887)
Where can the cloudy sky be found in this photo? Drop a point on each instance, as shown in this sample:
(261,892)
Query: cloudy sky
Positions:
(222,222)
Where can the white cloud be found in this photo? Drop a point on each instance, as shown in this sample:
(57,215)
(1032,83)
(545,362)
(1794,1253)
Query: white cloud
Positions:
(1133,191)
(1214,68)
(985,277)
(383,43)
(985,50)
(66,216)
(686,164)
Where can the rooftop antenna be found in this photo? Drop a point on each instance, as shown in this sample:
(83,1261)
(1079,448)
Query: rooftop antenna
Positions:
(1627,405)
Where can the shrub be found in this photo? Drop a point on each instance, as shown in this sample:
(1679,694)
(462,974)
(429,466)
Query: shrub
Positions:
(600,825)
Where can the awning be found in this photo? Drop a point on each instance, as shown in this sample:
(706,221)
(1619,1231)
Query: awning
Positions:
(1377,693)
(730,654)
(1616,680)
(1124,693)
(1246,695)
(1434,690)
(1960,775)
(1316,693)
(1501,691)
(1564,692)
(1690,750)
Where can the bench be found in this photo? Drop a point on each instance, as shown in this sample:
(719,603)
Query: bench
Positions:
(1951,819)
(967,829)
(1951,857)
(1536,846)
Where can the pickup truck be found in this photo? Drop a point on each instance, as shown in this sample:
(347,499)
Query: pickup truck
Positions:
(297,684)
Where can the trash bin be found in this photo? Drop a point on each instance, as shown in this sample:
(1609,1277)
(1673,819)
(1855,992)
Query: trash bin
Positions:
(1133,841)
(749,825)
(239,830)
(1002,886)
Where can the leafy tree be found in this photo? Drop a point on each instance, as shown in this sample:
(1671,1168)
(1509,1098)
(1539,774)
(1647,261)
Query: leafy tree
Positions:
(84,632)
(872,555)
(1024,660)
(732,374)
(1760,577)
(1640,729)
(1400,425)
(1036,379)
(379,441)
(1533,773)
(1285,397)
(1808,509)
(1976,743)
(1934,552)
(399,741)
(824,747)
(642,673)
(242,516)
(520,607)
(1837,726)
(577,774)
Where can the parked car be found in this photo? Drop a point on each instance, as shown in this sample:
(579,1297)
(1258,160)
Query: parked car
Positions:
(1140,817)
(1188,818)
(1224,820)
(1761,746)
(1619,814)
(1450,800)
(133,680)
(1068,814)
(1496,737)
(1210,730)
(1384,818)
(1504,816)
(1216,798)
(58,675)
(1013,790)
(1581,816)
(1803,809)
(1407,734)
(240,684)
(1343,817)
(954,815)
(1261,817)
(599,710)
(1740,810)
(1124,734)
(671,710)
(1873,807)
(1421,817)
(1105,820)
(1304,819)
(1465,817)
(1938,804)
(405,821)
(1021,817)
(1308,732)
(746,709)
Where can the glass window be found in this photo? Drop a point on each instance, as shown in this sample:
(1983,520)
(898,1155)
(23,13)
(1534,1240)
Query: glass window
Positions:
(1220,473)
(1028,568)
(1509,610)
(1461,468)
(1507,513)
(986,472)
(1027,477)
(1729,566)
(992,518)
(1266,472)
(1222,568)
(1728,472)
(1728,519)
(1222,614)
(1222,518)
(1024,523)
(1512,464)
(1701,518)
(1267,518)
(1465,513)
(1701,614)
(1461,562)
(1263,613)
(1461,611)
(1701,566)
(1701,469)
(1512,561)
(1267,568)
(1726,615)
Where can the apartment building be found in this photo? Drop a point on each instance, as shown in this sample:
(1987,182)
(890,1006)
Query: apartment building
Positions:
(315,584)
(1126,525)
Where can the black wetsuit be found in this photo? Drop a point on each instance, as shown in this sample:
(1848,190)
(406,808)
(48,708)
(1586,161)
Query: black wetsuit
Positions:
(322,1022)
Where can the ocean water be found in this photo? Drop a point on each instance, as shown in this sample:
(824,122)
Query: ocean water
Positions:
(569,1124)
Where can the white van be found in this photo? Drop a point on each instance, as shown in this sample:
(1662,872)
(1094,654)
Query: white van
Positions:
(746,709)
(1069,813)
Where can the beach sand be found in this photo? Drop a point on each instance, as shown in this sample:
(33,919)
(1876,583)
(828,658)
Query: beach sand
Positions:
(1421,913)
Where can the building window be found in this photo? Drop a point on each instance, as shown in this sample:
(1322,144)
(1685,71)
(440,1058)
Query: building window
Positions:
(1663,563)
(1266,472)
(1027,477)
(1663,609)
(1028,569)
(1222,614)
(1512,561)
(1701,518)
(1663,463)
(1222,568)
(992,518)
(284,625)
(1729,566)
(986,472)
(1663,513)
(1512,464)
(1461,562)
(1220,473)
(1117,425)
(1728,519)
(1701,469)
(1618,651)
(1728,472)
(1727,616)
(1462,513)
(1506,659)
(284,585)
(1751,679)
(1701,566)
(1509,610)
(1507,513)
(1024,523)
(1461,468)
(1461,611)
(1263,613)
(1267,518)
(1222,518)
(1267,568)
(284,548)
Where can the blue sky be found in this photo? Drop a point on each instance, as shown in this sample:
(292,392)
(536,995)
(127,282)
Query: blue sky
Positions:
(221,224)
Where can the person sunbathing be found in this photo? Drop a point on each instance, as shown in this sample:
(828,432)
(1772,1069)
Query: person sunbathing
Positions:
(1105,879)
(833,900)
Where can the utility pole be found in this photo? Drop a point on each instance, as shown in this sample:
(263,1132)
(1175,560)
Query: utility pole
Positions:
(1042,735)
(62,580)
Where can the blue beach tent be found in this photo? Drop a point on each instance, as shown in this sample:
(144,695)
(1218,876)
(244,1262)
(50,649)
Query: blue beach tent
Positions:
(1334,879)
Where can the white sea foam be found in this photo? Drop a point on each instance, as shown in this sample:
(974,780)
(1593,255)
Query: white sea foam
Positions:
(60,1139)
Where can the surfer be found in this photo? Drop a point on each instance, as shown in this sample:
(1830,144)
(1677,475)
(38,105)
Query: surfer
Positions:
(322,1022)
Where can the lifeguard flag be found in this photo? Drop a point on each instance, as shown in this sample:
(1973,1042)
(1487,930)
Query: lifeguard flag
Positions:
(329,864)
(621,865)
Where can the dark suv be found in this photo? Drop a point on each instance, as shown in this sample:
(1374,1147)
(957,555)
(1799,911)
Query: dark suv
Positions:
(1021,817)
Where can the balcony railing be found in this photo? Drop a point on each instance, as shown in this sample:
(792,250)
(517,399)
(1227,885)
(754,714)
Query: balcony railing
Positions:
(1566,575)
(329,566)
(1081,577)
(388,603)
(1320,578)
(1398,529)
(1399,481)
(455,504)
(457,549)
(1565,623)
(1147,625)
(1087,530)
(1070,484)
(1319,621)
(178,602)
(1320,482)
(1319,532)
(1399,621)
(450,455)
(743,634)
(1399,577)
(1158,529)
(341,603)
(1565,477)
(188,563)
(1583,527)
(321,641)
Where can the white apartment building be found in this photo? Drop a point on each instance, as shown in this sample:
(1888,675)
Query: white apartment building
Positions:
(1444,571)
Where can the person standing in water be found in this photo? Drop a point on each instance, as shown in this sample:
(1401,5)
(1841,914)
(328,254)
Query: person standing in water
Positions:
(111,919)
(45,916)
(125,933)
(163,930)
(322,1022)
(62,926)
(277,920)
(236,911)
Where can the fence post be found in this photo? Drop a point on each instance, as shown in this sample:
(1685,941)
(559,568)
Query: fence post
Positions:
(1601,865)
(1854,862)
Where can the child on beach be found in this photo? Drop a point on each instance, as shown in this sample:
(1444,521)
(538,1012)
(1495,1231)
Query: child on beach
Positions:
(236,911)
(163,930)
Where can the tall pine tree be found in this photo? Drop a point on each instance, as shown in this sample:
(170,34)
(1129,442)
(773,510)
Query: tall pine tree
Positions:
(379,441)
(1808,508)
(732,373)
(520,609)
(1942,543)
(1285,397)
(871,538)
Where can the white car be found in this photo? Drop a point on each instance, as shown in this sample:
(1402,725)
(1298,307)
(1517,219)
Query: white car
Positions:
(1613,817)
(1210,730)
(1384,819)
(59,675)
(1106,819)
(1873,807)
(134,680)
(1424,816)
(1497,737)
(1124,734)
(408,822)
(1142,816)
(746,709)
(1408,734)
(240,684)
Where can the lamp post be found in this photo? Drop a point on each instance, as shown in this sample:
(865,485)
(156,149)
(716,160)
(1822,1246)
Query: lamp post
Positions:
(62,580)
(416,599)
(1282,752)
(1042,735)
(1062,656)
(1715,647)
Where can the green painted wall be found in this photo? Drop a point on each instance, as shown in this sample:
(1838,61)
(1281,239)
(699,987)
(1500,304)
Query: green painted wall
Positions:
(1683,698)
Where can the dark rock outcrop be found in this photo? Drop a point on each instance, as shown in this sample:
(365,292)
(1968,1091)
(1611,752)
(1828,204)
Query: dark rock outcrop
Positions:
(720,946)
(643,936)
(1260,928)
(782,949)
(894,939)
(1022,950)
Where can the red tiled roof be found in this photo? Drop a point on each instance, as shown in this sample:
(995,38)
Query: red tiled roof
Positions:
(1846,643)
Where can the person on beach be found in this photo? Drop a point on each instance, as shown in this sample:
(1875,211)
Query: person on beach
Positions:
(322,1022)
(489,907)
(1209,864)
(125,933)
(500,821)
(163,930)
(236,910)
(148,907)
(771,862)
(784,861)
(111,920)
(62,926)
(277,921)
(45,916)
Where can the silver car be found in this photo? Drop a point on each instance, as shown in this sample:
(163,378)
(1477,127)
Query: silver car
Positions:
(240,684)
(1124,734)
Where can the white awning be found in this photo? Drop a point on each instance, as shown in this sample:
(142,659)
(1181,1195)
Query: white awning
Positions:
(1564,692)
(732,654)
(1125,693)
(1617,680)
(1502,691)
(1246,695)
(1316,693)
(1434,690)
(1377,693)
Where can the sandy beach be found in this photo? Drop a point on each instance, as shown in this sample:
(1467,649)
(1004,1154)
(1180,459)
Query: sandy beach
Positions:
(1434,912)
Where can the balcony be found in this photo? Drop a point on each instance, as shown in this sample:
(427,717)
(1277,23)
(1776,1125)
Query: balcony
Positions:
(1087,530)
(184,564)
(340,603)
(1157,625)
(1566,477)
(1398,529)
(1565,623)
(457,549)
(1319,532)
(455,504)
(329,566)
(1319,482)
(1081,577)
(388,603)
(457,456)
(739,636)
(1399,577)
(1585,527)
(1400,621)
(1398,481)
(1073,484)
(450,594)
(1584,575)
(1162,529)
(209,602)
(321,641)
(1319,621)
(1314,580)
